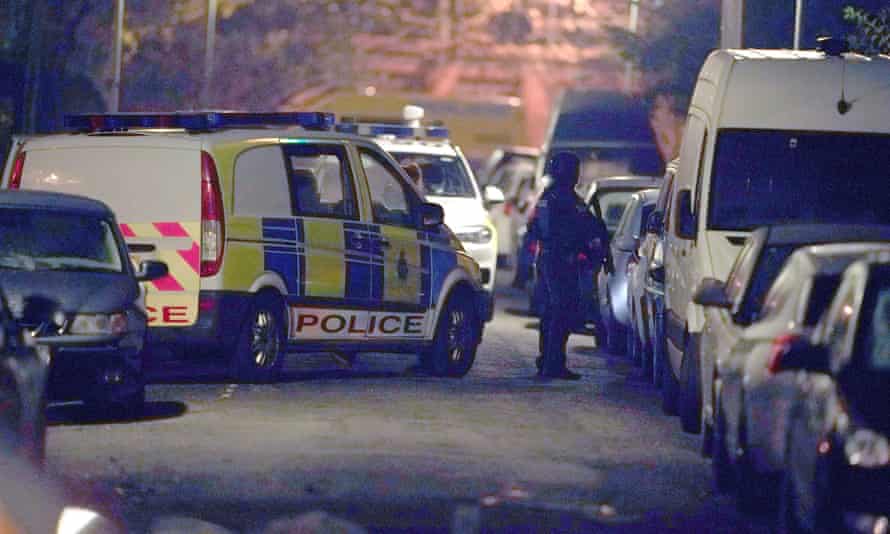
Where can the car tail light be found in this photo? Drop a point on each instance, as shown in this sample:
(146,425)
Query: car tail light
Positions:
(781,345)
(18,167)
(508,208)
(212,222)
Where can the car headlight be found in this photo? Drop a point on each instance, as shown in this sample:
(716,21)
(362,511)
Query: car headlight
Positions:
(98,324)
(475,234)
(867,449)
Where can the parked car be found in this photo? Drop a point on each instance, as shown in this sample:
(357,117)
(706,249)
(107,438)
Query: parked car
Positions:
(750,403)
(837,458)
(504,157)
(612,282)
(644,290)
(515,179)
(806,164)
(727,329)
(67,278)
(607,197)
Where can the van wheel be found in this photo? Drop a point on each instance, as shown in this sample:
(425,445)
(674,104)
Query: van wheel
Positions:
(456,339)
(690,396)
(262,342)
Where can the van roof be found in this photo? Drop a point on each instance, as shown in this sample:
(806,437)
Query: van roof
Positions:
(179,138)
(53,201)
(796,90)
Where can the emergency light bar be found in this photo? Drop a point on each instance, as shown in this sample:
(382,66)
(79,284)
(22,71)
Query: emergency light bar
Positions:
(396,130)
(199,120)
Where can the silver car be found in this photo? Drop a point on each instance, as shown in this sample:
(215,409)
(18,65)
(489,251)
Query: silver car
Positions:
(612,282)
(750,408)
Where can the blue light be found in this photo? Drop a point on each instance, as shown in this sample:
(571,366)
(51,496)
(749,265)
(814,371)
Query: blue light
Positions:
(437,131)
(347,127)
(395,130)
(201,121)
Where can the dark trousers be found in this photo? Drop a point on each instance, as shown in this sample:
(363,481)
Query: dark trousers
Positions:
(560,313)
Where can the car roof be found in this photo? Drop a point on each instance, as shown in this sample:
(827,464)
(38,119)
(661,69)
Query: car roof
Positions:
(833,258)
(625,182)
(802,234)
(648,196)
(432,147)
(24,199)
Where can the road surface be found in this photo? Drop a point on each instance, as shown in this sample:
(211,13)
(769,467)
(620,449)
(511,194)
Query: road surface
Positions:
(496,451)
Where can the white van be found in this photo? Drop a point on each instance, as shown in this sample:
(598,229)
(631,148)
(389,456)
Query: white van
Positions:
(772,136)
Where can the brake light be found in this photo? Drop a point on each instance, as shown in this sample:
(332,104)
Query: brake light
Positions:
(212,222)
(508,208)
(18,167)
(781,346)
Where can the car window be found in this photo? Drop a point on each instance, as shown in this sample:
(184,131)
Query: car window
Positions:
(644,217)
(740,272)
(261,185)
(50,240)
(390,200)
(443,176)
(611,203)
(767,267)
(783,289)
(625,224)
(320,182)
(838,326)
(822,291)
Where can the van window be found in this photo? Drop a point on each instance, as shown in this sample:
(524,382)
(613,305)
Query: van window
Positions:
(765,177)
(390,200)
(261,187)
(320,182)
(691,153)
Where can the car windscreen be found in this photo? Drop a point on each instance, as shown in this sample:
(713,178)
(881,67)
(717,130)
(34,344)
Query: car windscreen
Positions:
(441,176)
(771,260)
(767,177)
(876,327)
(611,204)
(50,240)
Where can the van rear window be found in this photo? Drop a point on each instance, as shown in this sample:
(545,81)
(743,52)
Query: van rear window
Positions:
(766,177)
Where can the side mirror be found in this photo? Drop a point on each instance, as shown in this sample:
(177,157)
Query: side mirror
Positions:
(656,273)
(655,223)
(711,293)
(687,227)
(431,216)
(493,195)
(151,270)
(791,352)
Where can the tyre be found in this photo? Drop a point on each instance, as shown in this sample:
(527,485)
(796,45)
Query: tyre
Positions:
(262,343)
(670,388)
(690,390)
(456,340)
(721,464)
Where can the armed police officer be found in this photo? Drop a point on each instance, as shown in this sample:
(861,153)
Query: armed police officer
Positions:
(569,234)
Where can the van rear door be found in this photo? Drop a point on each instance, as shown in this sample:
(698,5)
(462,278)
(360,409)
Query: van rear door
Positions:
(155,191)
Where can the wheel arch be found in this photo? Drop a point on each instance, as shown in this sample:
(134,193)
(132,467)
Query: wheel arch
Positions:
(268,280)
(457,280)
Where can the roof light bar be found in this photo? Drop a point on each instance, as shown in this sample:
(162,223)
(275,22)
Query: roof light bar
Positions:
(395,130)
(204,120)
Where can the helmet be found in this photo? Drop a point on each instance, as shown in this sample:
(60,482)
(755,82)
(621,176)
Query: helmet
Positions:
(564,168)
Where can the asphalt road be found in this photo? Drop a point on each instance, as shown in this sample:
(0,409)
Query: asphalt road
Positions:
(496,451)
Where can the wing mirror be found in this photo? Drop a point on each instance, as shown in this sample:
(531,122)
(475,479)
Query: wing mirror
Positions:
(151,270)
(792,352)
(655,223)
(493,195)
(431,216)
(687,227)
(711,293)
(656,273)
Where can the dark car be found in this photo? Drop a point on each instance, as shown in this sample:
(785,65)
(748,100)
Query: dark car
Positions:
(837,459)
(66,277)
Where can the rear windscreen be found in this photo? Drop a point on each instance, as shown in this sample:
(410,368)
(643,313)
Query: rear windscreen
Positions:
(139,184)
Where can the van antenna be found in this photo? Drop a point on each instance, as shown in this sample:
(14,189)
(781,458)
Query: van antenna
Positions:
(844,105)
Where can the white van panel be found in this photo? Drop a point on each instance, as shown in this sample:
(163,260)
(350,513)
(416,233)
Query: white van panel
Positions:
(156,196)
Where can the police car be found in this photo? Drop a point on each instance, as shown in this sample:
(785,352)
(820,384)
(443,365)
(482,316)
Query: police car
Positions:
(280,234)
(444,177)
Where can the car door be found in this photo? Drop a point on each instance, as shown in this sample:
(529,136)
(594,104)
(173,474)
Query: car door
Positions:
(400,283)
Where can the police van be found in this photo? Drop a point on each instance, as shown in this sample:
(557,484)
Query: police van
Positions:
(280,234)
(444,177)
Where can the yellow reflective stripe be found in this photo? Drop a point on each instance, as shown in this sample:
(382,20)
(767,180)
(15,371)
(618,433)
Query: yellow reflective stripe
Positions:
(325,274)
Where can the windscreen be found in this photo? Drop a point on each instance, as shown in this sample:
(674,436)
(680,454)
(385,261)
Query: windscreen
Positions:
(611,204)
(49,240)
(441,176)
(764,177)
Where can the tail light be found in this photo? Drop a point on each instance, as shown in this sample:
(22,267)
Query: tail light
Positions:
(533,247)
(212,222)
(508,208)
(18,167)
(781,345)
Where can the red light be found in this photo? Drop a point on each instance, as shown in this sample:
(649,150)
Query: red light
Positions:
(533,247)
(212,221)
(206,303)
(508,208)
(781,345)
(18,167)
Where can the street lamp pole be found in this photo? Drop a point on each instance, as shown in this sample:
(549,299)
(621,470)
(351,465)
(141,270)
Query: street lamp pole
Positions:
(632,26)
(208,52)
(798,22)
(118,51)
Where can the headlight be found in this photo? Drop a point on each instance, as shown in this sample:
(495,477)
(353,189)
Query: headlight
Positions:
(475,234)
(99,324)
(867,449)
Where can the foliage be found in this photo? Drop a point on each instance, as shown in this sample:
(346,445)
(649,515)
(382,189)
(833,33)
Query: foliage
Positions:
(873,30)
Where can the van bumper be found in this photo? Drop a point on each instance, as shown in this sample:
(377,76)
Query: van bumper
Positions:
(214,333)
